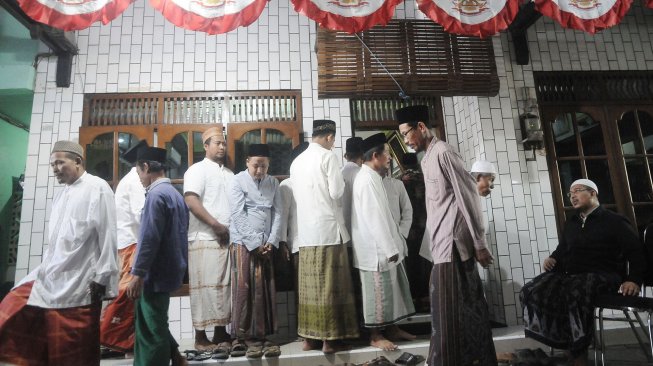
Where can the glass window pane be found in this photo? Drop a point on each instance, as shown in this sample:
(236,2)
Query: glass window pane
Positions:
(564,136)
(177,156)
(646,124)
(628,134)
(198,147)
(638,181)
(99,156)
(125,142)
(643,216)
(569,172)
(599,172)
(590,134)
(280,149)
(242,145)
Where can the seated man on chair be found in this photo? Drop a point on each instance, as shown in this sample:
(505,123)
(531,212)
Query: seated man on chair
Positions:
(590,260)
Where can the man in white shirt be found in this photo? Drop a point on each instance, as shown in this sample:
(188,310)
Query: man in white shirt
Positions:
(205,192)
(354,156)
(400,206)
(289,235)
(327,310)
(52,316)
(117,323)
(379,249)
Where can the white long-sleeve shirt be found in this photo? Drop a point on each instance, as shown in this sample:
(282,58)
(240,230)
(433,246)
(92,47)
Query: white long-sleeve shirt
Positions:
(349,171)
(318,187)
(375,235)
(289,232)
(130,198)
(82,247)
(402,210)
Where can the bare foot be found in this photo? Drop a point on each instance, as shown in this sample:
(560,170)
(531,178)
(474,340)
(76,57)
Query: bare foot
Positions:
(220,335)
(204,346)
(378,341)
(329,347)
(310,345)
(397,334)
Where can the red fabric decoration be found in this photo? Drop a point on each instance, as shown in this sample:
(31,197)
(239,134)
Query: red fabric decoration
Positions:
(72,15)
(210,16)
(590,16)
(351,16)
(649,4)
(479,18)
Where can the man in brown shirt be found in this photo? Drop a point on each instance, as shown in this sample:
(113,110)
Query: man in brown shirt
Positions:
(461,333)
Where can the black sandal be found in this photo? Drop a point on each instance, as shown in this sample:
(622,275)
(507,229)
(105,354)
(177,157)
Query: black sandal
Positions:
(409,359)
(238,348)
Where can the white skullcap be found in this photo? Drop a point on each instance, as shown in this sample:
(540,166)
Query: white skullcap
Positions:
(483,167)
(587,183)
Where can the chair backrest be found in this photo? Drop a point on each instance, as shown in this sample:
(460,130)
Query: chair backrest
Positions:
(648,251)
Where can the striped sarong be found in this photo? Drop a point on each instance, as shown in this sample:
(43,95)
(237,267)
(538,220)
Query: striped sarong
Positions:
(460,327)
(30,335)
(209,284)
(254,309)
(117,322)
(386,296)
(326,301)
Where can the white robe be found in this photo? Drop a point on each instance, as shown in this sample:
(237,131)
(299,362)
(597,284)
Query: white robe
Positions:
(288,232)
(318,187)
(375,235)
(82,232)
(130,198)
(402,210)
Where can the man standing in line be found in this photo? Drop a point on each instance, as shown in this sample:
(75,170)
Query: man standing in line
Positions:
(52,316)
(484,173)
(289,235)
(379,249)
(209,267)
(461,332)
(161,260)
(400,206)
(255,205)
(117,324)
(327,311)
(354,157)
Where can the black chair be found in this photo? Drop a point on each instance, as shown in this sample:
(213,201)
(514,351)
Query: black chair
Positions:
(631,307)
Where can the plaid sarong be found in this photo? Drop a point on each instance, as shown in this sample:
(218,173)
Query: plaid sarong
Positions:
(326,301)
(31,335)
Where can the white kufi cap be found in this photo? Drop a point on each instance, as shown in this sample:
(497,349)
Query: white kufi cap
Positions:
(587,183)
(483,167)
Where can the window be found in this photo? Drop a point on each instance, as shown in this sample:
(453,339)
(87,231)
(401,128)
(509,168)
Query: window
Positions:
(421,56)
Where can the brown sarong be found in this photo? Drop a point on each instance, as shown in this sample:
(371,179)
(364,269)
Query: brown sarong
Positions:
(254,309)
(327,310)
(30,335)
(460,327)
(117,322)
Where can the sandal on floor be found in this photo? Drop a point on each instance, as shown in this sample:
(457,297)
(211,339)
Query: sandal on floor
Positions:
(221,352)
(379,361)
(409,359)
(238,348)
(254,351)
(202,356)
(271,350)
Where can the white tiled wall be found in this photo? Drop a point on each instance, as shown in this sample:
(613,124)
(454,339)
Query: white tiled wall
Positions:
(141,52)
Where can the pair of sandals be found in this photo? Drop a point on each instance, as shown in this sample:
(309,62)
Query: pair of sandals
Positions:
(220,352)
(255,349)
(406,358)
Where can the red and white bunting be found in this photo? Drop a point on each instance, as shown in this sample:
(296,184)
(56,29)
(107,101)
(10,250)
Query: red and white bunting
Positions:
(479,18)
(590,16)
(73,14)
(210,16)
(351,16)
(648,3)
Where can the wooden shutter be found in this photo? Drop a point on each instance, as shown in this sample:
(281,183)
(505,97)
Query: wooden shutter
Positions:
(421,56)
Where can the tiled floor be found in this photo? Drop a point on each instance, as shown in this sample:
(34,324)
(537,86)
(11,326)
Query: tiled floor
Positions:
(622,351)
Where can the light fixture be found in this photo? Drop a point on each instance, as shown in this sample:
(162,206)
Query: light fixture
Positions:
(531,127)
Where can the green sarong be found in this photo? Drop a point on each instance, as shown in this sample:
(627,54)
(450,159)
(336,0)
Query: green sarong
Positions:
(154,343)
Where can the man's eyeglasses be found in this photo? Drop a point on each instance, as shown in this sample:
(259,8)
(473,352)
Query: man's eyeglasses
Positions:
(576,191)
(404,134)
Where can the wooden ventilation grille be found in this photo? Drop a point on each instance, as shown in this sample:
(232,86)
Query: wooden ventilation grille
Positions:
(380,112)
(193,107)
(421,56)
(606,87)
